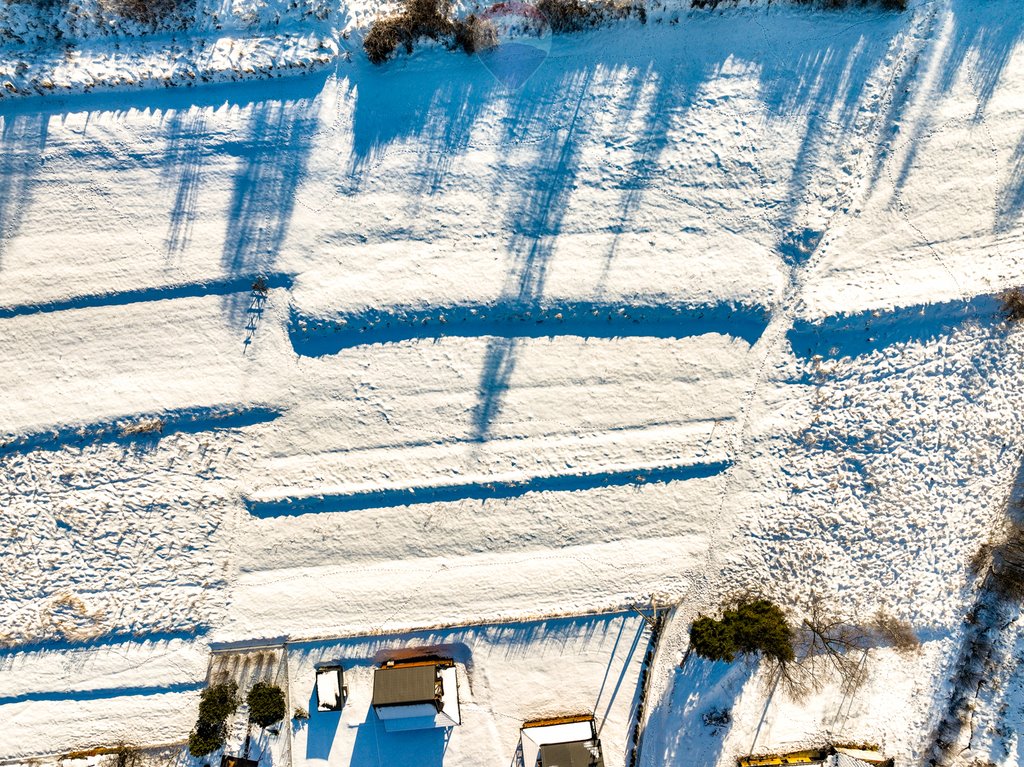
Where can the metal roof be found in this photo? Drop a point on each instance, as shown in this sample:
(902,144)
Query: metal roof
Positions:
(401,686)
(581,753)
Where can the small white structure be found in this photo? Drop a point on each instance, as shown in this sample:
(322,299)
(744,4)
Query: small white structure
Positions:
(416,695)
(569,741)
(330,688)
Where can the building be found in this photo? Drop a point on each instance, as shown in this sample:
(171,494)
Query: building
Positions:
(416,695)
(330,688)
(237,761)
(569,741)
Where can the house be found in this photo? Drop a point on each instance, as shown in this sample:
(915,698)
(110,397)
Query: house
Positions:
(330,688)
(416,695)
(568,741)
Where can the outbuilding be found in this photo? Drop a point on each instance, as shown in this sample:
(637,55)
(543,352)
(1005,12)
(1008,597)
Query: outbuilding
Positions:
(415,695)
(568,741)
(330,688)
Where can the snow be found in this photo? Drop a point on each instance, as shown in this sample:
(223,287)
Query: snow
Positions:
(706,305)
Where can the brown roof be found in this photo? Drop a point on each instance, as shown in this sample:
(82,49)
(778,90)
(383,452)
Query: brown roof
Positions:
(403,686)
(581,753)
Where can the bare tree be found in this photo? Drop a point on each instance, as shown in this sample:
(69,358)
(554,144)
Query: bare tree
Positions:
(827,646)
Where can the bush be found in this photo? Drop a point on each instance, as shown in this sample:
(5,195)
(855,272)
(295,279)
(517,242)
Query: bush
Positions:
(577,15)
(149,12)
(205,740)
(1011,304)
(712,639)
(474,34)
(300,714)
(266,704)
(835,5)
(418,19)
(754,626)
(216,704)
(899,634)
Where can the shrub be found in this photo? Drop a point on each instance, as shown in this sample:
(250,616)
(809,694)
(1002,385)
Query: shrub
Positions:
(835,5)
(150,12)
(205,740)
(417,19)
(712,639)
(752,626)
(126,755)
(266,704)
(577,15)
(899,634)
(760,626)
(216,704)
(474,34)
(300,714)
(1011,304)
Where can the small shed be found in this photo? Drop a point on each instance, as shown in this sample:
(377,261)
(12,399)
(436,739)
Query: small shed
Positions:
(237,761)
(330,688)
(416,695)
(568,741)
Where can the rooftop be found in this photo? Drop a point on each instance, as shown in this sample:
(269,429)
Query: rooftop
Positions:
(580,753)
(404,685)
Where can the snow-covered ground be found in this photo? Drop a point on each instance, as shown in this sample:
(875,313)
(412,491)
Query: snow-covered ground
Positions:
(706,305)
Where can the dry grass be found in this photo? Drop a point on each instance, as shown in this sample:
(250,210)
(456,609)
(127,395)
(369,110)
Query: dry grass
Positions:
(142,426)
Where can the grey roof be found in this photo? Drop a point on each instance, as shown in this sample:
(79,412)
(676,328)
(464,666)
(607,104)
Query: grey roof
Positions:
(580,753)
(402,686)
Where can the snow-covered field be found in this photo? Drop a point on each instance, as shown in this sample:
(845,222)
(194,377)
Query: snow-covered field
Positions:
(706,305)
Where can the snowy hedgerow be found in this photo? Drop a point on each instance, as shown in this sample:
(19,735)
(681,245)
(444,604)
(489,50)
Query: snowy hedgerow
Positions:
(417,19)
(216,704)
(430,19)
(577,15)
(266,704)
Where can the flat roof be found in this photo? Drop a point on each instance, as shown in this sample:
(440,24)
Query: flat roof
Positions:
(580,753)
(403,685)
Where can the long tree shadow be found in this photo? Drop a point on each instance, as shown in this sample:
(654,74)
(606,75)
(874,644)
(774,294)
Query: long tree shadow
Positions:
(22,141)
(977,43)
(186,142)
(854,335)
(1010,204)
(690,727)
(395,105)
(827,85)
(535,223)
(273,159)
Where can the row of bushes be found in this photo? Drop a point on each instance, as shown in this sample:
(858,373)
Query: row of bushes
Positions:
(430,19)
(832,5)
(433,20)
(219,701)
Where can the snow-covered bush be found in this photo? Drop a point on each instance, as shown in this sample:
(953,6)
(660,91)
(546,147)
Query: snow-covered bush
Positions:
(577,15)
(216,704)
(430,19)
(266,704)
